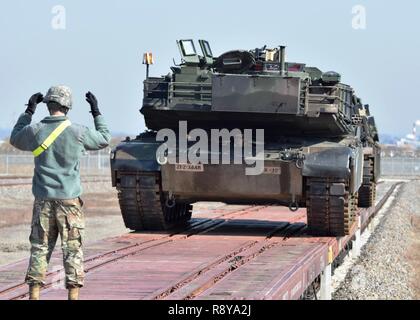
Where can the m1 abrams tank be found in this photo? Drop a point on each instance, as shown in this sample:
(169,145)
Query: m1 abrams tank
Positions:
(320,143)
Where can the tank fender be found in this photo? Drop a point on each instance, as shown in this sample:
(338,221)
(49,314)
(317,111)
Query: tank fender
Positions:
(357,163)
(336,162)
(328,163)
(134,156)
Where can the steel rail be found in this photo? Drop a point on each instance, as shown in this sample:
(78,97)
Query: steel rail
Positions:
(193,229)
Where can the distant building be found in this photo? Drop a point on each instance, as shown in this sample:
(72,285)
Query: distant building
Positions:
(411,140)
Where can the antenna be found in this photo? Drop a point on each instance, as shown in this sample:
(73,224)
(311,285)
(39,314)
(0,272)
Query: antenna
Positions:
(282,60)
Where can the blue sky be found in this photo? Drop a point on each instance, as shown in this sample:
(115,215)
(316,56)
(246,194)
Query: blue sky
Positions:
(101,49)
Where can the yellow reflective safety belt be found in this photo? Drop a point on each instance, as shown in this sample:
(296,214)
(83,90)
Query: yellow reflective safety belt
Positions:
(51,138)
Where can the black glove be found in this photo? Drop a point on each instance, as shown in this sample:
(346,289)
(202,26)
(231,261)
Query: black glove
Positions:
(91,99)
(33,102)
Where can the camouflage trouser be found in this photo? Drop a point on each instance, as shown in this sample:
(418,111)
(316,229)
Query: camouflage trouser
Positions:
(51,218)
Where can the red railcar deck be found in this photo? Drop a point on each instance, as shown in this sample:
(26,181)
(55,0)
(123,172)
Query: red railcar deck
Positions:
(227,252)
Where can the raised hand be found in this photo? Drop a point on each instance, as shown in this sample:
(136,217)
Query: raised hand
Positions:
(93,102)
(34,100)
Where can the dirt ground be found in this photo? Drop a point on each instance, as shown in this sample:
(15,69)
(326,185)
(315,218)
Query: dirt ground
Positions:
(103,218)
(16,202)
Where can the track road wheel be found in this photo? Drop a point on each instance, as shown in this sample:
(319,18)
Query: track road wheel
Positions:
(331,209)
(143,204)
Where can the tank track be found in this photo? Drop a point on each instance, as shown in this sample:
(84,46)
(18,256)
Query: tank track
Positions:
(367,192)
(143,204)
(331,209)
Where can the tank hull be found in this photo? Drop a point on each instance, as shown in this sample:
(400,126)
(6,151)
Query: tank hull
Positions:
(333,167)
(280,183)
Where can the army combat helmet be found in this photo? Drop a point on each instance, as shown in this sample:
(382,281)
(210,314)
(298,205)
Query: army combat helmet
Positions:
(61,95)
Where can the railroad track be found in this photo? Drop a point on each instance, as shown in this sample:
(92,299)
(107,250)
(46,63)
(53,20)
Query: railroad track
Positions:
(252,252)
(106,258)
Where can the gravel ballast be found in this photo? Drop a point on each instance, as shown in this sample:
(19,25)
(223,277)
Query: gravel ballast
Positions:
(383,270)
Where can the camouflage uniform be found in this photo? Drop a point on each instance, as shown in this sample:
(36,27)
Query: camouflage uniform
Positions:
(50,219)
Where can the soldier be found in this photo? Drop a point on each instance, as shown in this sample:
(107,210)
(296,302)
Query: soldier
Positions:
(57,145)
